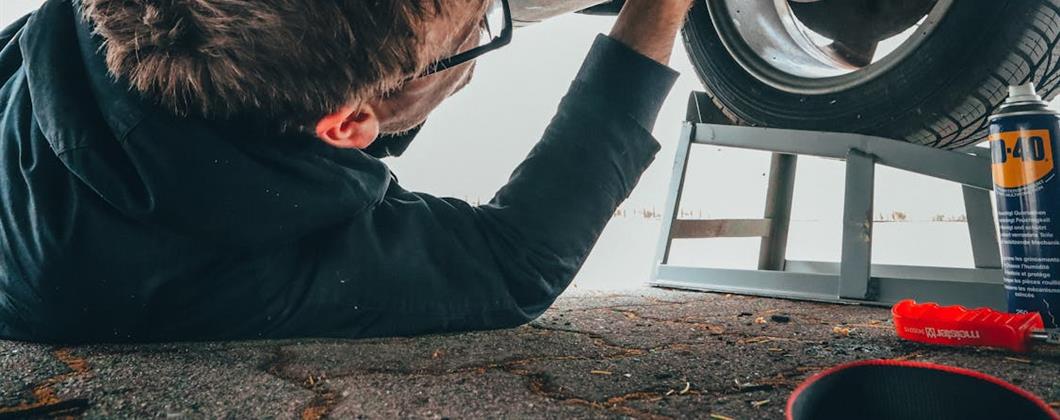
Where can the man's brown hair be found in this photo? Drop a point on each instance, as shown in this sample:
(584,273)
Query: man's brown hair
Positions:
(294,60)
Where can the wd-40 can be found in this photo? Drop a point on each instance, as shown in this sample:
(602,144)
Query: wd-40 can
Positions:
(1023,144)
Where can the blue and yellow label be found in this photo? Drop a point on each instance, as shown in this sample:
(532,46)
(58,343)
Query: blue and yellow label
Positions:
(1021,158)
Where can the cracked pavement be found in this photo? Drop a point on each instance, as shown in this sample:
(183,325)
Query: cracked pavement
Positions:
(647,353)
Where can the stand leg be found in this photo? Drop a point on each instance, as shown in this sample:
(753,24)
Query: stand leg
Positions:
(673,200)
(981,229)
(855,269)
(778,210)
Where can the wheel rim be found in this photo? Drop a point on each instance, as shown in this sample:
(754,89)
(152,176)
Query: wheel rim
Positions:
(780,43)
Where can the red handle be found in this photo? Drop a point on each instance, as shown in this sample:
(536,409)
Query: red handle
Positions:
(959,326)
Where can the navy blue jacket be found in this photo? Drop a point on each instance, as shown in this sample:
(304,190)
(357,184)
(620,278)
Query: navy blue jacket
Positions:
(122,222)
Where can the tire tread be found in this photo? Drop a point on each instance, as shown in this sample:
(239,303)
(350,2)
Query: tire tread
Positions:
(1028,61)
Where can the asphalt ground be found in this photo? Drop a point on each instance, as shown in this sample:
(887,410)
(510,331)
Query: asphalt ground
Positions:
(647,353)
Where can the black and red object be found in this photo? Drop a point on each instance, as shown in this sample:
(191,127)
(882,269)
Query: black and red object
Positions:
(959,326)
(890,389)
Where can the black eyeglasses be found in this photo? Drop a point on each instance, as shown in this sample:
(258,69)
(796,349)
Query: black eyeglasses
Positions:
(496,30)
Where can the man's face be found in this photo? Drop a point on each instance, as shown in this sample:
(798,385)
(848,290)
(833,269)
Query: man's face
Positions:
(409,106)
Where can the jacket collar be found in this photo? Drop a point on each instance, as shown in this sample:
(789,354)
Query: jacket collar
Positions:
(76,101)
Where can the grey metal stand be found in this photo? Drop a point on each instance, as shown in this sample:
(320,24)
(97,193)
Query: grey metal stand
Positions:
(855,279)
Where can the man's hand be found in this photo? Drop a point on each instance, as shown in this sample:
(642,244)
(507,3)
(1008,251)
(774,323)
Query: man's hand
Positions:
(650,26)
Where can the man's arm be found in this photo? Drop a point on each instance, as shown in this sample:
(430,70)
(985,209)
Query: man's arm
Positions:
(650,26)
(418,264)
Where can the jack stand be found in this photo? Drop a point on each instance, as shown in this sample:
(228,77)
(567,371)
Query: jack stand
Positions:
(855,279)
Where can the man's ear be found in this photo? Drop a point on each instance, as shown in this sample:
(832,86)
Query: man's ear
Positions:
(351,127)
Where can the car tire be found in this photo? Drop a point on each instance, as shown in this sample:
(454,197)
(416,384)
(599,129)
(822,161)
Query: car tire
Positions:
(940,95)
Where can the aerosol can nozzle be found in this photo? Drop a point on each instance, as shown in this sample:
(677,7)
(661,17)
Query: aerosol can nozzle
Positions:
(1022,93)
(1023,98)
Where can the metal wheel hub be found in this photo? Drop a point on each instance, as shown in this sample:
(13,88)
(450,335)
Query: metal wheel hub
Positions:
(822,46)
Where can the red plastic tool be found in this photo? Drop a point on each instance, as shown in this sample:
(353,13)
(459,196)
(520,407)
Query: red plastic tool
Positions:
(959,326)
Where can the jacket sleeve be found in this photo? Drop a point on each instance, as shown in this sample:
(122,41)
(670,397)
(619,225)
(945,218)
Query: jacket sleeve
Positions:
(415,263)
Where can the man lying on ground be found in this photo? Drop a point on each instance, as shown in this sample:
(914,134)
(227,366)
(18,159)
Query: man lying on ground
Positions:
(209,169)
